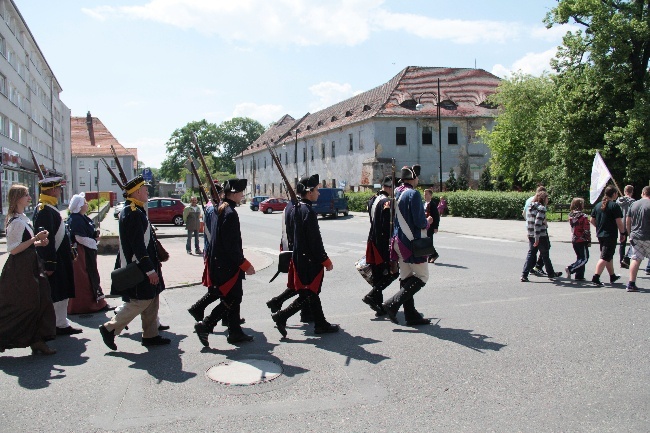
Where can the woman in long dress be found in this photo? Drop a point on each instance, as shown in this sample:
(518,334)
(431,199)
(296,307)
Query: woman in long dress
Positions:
(26,311)
(89,296)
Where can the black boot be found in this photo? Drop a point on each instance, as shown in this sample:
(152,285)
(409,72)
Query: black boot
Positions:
(235,333)
(205,327)
(413,316)
(375,298)
(321,325)
(198,309)
(280,318)
(275,304)
(392,305)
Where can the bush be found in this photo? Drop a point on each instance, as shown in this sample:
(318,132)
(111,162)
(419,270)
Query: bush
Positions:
(486,204)
(358,201)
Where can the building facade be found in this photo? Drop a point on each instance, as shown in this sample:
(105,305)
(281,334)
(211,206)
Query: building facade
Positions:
(352,144)
(91,141)
(31,113)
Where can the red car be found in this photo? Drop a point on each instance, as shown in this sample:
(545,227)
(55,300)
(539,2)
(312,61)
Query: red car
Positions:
(165,211)
(271,204)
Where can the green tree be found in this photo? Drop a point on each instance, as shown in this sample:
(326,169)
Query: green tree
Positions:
(602,91)
(485,182)
(463,183)
(451,184)
(234,136)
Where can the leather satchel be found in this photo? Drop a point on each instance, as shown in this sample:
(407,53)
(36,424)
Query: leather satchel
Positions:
(422,247)
(125,278)
(162,253)
(283,263)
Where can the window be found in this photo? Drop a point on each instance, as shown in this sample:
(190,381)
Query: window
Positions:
(334,184)
(82,181)
(152,204)
(13,131)
(324,183)
(452,135)
(95,164)
(113,181)
(333,149)
(322,148)
(264,163)
(167,203)
(82,163)
(286,158)
(351,142)
(96,180)
(113,165)
(3,124)
(3,84)
(3,46)
(304,154)
(22,135)
(400,136)
(312,153)
(427,135)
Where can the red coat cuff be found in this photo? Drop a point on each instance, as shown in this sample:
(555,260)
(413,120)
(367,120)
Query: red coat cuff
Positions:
(327,263)
(245,265)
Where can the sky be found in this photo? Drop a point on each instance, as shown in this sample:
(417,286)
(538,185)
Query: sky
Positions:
(148,67)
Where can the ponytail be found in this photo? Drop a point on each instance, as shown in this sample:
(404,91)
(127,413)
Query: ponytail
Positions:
(609,195)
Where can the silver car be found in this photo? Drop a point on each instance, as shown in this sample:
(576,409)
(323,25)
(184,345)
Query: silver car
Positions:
(117,209)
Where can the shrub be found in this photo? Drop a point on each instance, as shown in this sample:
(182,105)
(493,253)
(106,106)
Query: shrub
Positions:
(358,201)
(486,204)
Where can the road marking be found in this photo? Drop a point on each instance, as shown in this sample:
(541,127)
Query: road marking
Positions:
(485,239)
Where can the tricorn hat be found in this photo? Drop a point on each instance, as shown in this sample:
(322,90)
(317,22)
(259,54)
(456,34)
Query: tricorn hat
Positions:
(133,185)
(218,186)
(235,185)
(388,181)
(307,183)
(408,173)
(49,183)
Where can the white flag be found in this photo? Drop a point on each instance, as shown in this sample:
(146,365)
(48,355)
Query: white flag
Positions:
(600,175)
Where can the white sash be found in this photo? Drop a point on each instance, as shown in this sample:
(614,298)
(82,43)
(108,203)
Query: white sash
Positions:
(147,240)
(403,224)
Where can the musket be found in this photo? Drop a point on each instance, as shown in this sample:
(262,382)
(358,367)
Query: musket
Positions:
(119,166)
(213,189)
(113,175)
(393,265)
(202,193)
(41,176)
(292,193)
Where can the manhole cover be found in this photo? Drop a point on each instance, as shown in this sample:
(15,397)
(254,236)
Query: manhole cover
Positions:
(244,372)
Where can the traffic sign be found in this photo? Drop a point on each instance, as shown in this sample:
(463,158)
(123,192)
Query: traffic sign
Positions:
(147,174)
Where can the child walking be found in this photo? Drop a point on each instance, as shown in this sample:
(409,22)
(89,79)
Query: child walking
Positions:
(580,239)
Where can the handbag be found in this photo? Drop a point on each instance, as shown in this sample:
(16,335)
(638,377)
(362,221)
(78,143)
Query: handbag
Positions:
(423,247)
(161,252)
(364,269)
(126,277)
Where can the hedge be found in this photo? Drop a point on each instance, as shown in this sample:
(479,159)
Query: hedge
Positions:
(467,204)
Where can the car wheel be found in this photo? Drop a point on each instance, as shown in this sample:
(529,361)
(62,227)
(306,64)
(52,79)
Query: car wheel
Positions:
(255,208)
(345,213)
(335,214)
(178,220)
(269,210)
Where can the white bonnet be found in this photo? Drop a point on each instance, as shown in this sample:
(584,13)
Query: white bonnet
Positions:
(76,202)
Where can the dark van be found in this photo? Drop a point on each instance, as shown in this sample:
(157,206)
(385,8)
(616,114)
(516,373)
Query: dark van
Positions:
(331,201)
(255,201)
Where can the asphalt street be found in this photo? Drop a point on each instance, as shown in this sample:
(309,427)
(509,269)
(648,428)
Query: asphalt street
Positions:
(501,355)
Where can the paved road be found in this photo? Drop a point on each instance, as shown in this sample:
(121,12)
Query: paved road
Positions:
(502,355)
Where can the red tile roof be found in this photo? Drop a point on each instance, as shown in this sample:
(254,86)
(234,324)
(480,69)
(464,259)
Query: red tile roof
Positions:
(80,139)
(466,88)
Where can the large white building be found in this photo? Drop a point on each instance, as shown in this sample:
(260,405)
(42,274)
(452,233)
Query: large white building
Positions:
(91,141)
(31,113)
(352,143)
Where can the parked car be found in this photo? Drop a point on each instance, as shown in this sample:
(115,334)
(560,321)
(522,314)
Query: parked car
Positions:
(255,201)
(273,204)
(331,201)
(117,209)
(165,211)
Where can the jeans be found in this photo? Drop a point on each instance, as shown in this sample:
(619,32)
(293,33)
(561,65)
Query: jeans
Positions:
(582,256)
(188,245)
(543,247)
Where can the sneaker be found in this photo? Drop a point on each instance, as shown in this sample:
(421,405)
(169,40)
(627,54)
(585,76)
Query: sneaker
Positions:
(536,272)
(555,275)
(631,287)
(614,278)
(198,252)
(189,252)
(568,272)
(540,272)
(596,280)
(524,279)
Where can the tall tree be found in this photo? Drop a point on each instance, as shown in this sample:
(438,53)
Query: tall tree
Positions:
(602,89)
(234,136)
(180,144)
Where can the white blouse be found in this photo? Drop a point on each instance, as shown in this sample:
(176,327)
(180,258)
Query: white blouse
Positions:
(16,229)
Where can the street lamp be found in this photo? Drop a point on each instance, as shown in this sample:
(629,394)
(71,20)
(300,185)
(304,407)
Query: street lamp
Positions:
(90,180)
(419,107)
(295,156)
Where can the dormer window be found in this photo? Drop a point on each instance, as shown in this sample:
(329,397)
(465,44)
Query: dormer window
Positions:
(409,104)
(448,104)
(487,104)
(334,119)
(308,127)
(348,113)
(320,123)
(366,107)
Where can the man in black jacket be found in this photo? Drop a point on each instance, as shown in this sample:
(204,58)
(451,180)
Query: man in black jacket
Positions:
(309,260)
(378,248)
(137,244)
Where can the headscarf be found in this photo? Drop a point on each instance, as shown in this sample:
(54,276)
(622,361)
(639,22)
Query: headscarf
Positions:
(76,202)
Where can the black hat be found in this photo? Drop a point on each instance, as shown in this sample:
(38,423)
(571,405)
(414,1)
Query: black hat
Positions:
(409,173)
(416,170)
(218,186)
(307,183)
(49,183)
(235,185)
(388,181)
(134,184)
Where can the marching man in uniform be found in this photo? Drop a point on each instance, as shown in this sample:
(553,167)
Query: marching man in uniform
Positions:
(57,254)
(137,244)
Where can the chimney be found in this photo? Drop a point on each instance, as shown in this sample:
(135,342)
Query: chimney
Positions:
(91,131)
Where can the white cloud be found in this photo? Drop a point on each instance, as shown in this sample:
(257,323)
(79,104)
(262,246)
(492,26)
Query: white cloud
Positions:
(554,34)
(532,63)
(329,93)
(265,113)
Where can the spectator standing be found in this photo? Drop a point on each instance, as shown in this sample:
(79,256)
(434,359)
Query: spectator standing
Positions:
(638,226)
(192,216)
(538,237)
(607,217)
(539,264)
(580,238)
(625,203)
(431,210)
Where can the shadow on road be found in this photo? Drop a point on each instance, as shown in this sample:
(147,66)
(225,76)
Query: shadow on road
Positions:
(464,337)
(36,371)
